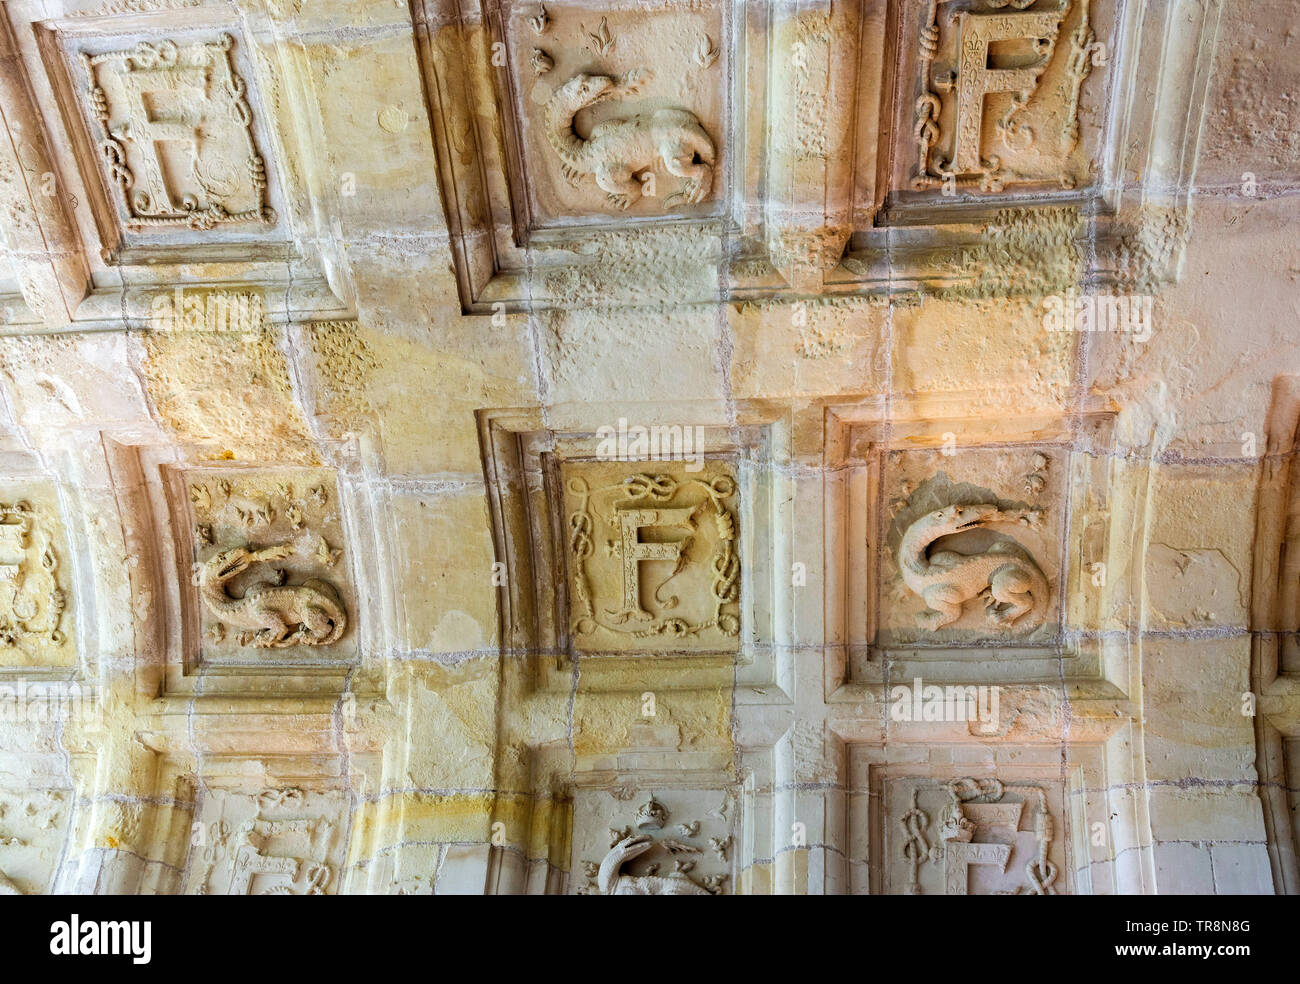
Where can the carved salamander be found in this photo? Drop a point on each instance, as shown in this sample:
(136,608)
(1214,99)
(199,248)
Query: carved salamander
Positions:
(1005,574)
(617,150)
(271,614)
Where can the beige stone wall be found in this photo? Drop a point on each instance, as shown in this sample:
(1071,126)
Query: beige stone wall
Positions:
(418,476)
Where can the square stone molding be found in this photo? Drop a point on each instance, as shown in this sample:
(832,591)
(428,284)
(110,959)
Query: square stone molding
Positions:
(1002,97)
(176,135)
(1050,124)
(1022,828)
(665,840)
(653,556)
(268,562)
(814,143)
(168,118)
(615,118)
(1274,622)
(576,532)
(48,630)
(689,810)
(37,614)
(168,157)
(886,479)
(266,820)
(253,531)
(282,840)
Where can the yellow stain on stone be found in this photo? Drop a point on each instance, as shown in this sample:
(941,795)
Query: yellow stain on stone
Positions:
(603,723)
(203,385)
(424,817)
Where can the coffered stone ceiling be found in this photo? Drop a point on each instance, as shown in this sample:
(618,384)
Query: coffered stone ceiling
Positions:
(648,448)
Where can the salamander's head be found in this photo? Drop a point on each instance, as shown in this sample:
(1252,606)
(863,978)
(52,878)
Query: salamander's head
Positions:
(583,89)
(229,563)
(954,519)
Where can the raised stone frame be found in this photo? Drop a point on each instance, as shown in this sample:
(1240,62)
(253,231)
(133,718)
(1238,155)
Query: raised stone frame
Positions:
(522,460)
(1092,776)
(501,255)
(230,761)
(1274,624)
(91,269)
(1146,159)
(73,576)
(170,663)
(1094,661)
(536,858)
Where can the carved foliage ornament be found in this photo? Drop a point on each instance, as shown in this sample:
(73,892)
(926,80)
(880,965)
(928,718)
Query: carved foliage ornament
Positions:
(663,505)
(176,135)
(967,84)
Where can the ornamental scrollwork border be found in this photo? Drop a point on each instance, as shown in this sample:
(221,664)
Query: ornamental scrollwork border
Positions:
(658,490)
(142,211)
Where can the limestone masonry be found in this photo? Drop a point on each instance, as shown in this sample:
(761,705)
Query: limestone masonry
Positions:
(649,447)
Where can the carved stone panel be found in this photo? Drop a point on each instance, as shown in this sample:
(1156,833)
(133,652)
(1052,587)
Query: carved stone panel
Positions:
(619,110)
(35,623)
(974,836)
(1001,93)
(281,841)
(172,122)
(268,567)
(973,546)
(33,823)
(630,841)
(653,556)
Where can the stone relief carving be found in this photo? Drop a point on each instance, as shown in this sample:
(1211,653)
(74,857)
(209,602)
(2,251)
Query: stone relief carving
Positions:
(706,52)
(1005,575)
(691,872)
(31,601)
(686,527)
(951,109)
(617,151)
(270,614)
(176,134)
(619,115)
(266,563)
(542,62)
(281,841)
(980,825)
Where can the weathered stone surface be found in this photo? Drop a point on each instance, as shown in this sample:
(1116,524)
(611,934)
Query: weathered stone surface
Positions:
(668,448)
